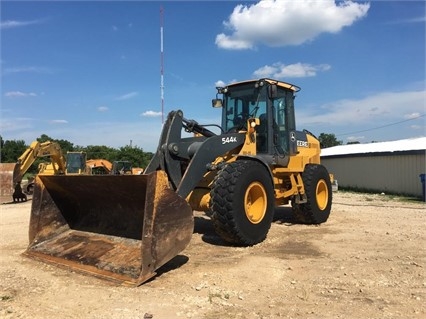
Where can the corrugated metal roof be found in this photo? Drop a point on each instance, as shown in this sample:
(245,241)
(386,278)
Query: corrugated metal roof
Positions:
(411,144)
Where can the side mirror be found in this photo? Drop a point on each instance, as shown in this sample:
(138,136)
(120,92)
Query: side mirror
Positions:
(272,91)
(217,103)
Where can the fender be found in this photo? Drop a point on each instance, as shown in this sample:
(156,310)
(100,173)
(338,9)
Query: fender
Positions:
(206,153)
(262,161)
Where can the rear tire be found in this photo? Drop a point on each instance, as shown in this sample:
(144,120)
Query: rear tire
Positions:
(318,191)
(242,203)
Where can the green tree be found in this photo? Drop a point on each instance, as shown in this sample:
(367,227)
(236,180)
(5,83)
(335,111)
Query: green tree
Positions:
(135,155)
(11,150)
(66,146)
(44,138)
(328,140)
(100,152)
(353,142)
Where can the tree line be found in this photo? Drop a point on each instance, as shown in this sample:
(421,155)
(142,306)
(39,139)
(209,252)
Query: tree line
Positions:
(11,150)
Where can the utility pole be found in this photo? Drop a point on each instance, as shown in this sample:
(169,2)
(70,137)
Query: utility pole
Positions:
(161,64)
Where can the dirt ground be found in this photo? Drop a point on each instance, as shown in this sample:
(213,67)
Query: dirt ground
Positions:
(367,261)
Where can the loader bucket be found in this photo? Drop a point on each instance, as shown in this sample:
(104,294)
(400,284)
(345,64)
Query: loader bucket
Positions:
(6,182)
(117,227)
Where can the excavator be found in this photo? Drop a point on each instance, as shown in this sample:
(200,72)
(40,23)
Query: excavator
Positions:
(103,166)
(99,166)
(124,228)
(12,173)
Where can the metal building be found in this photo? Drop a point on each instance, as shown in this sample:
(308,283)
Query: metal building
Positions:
(389,167)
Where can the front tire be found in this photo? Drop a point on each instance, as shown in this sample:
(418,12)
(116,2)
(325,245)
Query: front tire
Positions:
(316,210)
(242,203)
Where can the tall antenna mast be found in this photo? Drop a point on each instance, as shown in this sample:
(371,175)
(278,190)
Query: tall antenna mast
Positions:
(162,64)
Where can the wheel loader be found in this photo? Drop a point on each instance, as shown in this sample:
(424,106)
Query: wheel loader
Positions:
(123,228)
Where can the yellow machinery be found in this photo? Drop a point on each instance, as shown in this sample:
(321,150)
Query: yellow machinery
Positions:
(103,166)
(99,166)
(36,150)
(11,174)
(125,227)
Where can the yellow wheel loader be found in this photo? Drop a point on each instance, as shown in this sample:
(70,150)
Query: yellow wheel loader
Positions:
(125,227)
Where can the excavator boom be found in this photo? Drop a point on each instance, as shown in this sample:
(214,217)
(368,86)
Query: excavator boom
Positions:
(11,174)
(36,150)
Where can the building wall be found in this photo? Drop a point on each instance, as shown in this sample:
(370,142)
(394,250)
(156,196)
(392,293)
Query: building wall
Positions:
(389,173)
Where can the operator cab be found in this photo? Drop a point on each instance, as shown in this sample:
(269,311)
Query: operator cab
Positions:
(76,163)
(121,168)
(272,102)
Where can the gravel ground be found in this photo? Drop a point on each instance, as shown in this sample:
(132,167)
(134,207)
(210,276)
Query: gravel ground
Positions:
(367,261)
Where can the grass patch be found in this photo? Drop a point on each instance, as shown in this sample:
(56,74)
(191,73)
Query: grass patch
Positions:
(219,295)
(6,298)
(383,195)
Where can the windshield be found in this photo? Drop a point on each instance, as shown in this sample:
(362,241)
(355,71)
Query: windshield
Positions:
(75,162)
(242,102)
(274,110)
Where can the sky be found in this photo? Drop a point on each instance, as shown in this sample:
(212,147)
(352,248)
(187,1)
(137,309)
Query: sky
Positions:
(90,72)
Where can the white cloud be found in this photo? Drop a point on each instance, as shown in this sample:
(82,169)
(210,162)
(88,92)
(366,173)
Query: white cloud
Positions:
(279,70)
(417,127)
(232,43)
(127,96)
(15,125)
(9,24)
(28,69)
(377,117)
(373,111)
(58,122)
(115,134)
(287,22)
(219,84)
(151,114)
(420,19)
(412,115)
(14,94)
(103,108)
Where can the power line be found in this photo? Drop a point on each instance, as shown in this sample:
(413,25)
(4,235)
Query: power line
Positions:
(379,127)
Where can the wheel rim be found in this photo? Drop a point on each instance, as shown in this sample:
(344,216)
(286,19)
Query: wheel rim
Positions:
(322,194)
(255,202)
